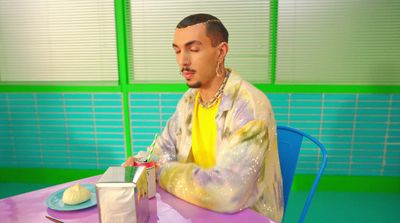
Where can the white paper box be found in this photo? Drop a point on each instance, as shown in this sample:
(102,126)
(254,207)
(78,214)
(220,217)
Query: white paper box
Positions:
(122,195)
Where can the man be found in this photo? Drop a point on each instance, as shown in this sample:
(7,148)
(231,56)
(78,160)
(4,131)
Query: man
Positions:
(219,149)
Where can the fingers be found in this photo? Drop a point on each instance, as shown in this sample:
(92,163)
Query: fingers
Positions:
(129,162)
(157,167)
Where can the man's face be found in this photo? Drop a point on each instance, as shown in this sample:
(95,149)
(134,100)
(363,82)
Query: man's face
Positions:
(195,56)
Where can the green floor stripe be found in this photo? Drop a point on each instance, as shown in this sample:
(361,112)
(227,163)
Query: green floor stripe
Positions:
(348,183)
(44,175)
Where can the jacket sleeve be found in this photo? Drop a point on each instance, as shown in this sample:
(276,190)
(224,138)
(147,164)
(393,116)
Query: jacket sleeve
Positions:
(165,147)
(231,185)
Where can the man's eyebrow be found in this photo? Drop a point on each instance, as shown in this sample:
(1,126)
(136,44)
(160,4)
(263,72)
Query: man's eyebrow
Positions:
(193,42)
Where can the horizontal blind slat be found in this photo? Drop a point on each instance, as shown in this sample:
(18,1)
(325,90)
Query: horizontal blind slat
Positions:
(338,42)
(58,41)
(153,26)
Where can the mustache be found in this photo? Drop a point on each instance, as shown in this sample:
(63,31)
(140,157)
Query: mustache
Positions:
(187,69)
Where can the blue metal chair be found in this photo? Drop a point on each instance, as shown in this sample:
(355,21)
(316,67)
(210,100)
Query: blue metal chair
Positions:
(289,144)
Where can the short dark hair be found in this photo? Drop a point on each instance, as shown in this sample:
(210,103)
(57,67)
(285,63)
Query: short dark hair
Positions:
(216,31)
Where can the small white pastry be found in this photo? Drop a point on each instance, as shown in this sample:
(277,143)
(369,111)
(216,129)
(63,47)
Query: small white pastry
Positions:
(76,194)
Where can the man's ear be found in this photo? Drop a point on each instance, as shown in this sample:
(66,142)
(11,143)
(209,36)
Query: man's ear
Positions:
(223,49)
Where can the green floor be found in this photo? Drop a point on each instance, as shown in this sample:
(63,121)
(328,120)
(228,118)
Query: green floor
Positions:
(11,189)
(331,207)
(346,207)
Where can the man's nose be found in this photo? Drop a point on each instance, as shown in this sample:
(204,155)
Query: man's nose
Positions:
(184,59)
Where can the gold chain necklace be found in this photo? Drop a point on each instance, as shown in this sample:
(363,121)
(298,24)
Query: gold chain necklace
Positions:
(215,98)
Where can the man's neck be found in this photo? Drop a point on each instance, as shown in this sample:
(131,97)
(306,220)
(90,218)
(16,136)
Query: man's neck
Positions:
(209,92)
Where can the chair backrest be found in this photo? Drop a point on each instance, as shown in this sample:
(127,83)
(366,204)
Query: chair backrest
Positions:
(289,145)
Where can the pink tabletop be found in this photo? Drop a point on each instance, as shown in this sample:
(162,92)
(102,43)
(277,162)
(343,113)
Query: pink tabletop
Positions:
(164,208)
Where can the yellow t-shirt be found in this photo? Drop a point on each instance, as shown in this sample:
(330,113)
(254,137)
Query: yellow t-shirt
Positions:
(204,134)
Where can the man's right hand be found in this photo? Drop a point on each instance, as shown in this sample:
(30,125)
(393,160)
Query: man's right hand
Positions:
(129,162)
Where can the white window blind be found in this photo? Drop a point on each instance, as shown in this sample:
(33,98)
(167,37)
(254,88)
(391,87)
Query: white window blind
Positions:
(50,41)
(338,42)
(153,27)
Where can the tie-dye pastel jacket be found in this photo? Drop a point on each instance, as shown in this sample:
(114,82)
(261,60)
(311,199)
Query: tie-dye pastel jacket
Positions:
(247,171)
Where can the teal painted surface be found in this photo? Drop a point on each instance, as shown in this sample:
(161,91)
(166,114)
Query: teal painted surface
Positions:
(149,114)
(61,130)
(85,130)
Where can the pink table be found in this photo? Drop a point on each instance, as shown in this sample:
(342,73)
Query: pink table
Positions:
(165,208)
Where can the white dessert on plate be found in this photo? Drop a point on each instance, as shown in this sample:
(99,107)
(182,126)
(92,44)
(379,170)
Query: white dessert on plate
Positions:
(76,194)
